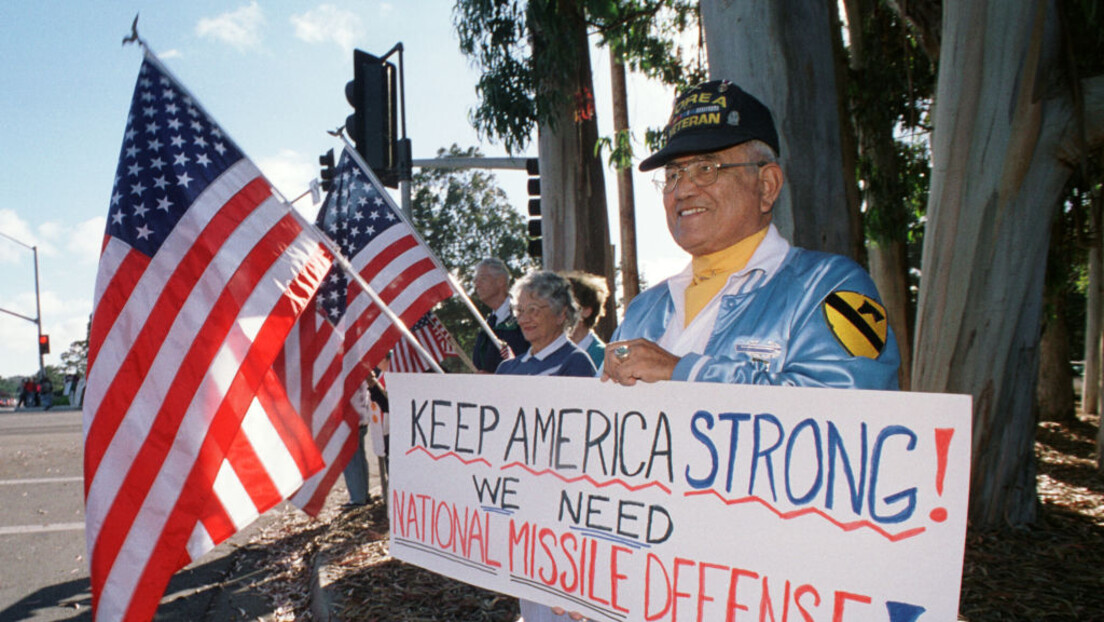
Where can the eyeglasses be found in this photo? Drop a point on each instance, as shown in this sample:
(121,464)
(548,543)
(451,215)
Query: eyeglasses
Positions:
(520,312)
(701,172)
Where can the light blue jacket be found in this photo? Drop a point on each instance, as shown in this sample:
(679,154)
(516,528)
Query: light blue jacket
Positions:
(777,332)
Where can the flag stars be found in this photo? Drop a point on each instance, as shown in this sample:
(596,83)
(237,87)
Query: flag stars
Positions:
(172,108)
(117,218)
(181,159)
(140,210)
(149,111)
(220,148)
(144,232)
(130,134)
(197,126)
(137,189)
(200,142)
(175,124)
(161,183)
(177,141)
(184,179)
(132,152)
(164,204)
(134,169)
(203,160)
(152,128)
(157,163)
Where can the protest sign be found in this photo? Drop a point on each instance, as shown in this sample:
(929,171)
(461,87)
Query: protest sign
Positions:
(678,501)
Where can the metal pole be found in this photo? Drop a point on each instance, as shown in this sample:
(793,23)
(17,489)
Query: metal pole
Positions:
(38,316)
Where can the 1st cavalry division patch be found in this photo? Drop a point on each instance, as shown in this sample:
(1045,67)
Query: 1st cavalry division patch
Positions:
(858,322)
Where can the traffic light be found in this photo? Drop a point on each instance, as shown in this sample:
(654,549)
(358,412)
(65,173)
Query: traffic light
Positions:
(327,174)
(532,166)
(373,126)
(43,344)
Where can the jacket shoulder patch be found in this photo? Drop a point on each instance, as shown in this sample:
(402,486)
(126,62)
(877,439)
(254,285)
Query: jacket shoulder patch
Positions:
(858,322)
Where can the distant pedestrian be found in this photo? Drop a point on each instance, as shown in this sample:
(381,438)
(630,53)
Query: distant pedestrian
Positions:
(46,390)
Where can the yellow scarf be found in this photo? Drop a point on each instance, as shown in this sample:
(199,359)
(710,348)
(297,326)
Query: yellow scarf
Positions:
(711,272)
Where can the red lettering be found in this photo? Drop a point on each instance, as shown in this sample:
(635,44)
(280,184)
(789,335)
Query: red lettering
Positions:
(616,577)
(551,578)
(733,582)
(801,591)
(702,598)
(519,537)
(679,561)
(590,572)
(576,573)
(648,588)
(487,542)
(841,601)
(765,605)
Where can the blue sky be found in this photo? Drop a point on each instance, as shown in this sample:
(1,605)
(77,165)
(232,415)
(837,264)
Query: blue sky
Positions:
(271,73)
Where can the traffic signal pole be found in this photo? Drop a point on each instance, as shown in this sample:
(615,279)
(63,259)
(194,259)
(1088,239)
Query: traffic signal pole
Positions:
(38,305)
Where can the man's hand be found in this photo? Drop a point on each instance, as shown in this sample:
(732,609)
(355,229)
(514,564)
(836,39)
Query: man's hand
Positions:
(574,615)
(637,359)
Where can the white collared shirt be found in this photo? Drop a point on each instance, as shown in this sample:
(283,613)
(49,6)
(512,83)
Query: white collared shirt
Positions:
(680,339)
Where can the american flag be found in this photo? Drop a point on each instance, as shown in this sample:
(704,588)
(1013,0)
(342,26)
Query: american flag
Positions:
(434,337)
(202,274)
(364,222)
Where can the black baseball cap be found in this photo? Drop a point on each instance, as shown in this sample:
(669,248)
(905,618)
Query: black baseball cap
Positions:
(712,116)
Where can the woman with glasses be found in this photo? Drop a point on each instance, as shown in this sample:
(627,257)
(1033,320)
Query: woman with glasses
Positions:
(546,311)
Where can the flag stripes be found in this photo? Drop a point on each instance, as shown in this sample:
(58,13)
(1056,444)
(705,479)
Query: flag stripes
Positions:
(188,435)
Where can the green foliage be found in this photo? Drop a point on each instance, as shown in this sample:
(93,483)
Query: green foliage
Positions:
(75,359)
(890,95)
(525,52)
(464,216)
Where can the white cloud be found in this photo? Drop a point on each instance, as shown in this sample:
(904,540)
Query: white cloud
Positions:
(328,23)
(86,239)
(13,226)
(291,172)
(240,28)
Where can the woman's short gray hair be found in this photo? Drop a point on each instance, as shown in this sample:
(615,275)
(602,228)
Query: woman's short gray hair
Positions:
(553,289)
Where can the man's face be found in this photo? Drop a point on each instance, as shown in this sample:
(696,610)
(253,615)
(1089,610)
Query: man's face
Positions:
(490,286)
(707,219)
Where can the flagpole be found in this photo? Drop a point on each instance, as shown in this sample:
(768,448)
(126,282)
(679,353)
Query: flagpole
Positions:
(340,260)
(459,291)
(460,353)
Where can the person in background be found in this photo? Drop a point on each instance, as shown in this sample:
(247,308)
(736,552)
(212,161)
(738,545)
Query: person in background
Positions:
(46,389)
(591,293)
(546,312)
(356,471)
(492,287)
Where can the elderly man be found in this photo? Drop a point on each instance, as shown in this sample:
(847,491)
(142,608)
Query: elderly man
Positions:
(492,287)
(749,308)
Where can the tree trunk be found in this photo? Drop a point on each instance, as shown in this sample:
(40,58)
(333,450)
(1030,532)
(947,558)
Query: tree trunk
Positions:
(575,233)
(1091,380)
(781,52)
(1000,128)
(1054,388)
(889,269)
(630,276)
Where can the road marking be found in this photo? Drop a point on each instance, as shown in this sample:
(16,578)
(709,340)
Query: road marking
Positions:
(41,480)
(20,529)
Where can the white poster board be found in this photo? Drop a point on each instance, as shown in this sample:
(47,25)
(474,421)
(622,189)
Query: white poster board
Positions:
(678,501)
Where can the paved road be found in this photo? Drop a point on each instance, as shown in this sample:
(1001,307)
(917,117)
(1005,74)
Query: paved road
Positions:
(43,572)
(43,568)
